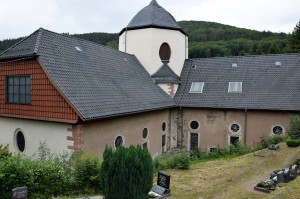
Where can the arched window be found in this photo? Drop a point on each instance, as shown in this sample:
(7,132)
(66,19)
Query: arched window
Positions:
(165,52)
(20,140)
(118,142)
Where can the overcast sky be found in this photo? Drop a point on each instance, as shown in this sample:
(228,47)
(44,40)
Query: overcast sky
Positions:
(22,17)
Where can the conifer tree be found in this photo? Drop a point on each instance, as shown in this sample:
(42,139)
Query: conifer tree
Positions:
(126,173)
(293,45)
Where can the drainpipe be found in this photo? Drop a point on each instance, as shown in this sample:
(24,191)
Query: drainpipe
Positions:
(245,131)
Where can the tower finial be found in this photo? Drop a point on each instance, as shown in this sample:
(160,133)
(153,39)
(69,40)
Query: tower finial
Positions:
(153,2)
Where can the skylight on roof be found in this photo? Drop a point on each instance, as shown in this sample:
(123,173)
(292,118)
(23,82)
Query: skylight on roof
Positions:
(77,48)
(277,63)
(197,87)
(235,87)
(234,65)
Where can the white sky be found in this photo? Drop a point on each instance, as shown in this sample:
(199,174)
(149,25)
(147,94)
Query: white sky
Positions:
(22,17)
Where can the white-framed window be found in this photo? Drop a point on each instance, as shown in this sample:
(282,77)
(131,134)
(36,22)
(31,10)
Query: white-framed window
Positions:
(194,141)
(235,87)
(277,130)
(212,149)
(194,125)
(119,141)
(145,133)
(197,87)
(19,139)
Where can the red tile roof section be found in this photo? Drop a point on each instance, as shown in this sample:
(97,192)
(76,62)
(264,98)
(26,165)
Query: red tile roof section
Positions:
(47,103)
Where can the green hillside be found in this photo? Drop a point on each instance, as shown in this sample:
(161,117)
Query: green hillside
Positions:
(206,39)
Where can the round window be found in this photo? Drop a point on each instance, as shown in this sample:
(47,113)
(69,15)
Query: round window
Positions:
(165,52)
(163,126)
(20,141)
(235,128)
(145,133)
(118,141)
(277,130)
(194,125)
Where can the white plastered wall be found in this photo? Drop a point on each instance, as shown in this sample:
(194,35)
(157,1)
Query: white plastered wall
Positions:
(166,88)
(145,45)
(55,135)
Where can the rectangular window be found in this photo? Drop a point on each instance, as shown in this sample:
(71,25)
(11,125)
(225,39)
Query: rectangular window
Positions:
(194,143)
(197,87)
(18,89)
(235,87)
(145,145)
(213,149)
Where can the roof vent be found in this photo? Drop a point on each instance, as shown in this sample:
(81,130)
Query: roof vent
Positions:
(125,59)
(234,65)
(194,67)
(277,63)
(77,48)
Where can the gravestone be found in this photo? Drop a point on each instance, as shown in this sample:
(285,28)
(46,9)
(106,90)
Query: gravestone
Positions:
(163,184)
(294,170)
(287,175)
(280,177)
(19,193)
(163,180)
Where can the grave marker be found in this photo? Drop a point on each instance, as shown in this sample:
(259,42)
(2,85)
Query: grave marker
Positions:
(280,177)
(19,193)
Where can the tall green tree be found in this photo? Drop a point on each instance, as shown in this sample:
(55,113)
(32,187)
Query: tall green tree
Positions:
(126,173)
(293,41)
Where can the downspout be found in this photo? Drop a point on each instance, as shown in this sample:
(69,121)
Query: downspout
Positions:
(181,127)
(245,131)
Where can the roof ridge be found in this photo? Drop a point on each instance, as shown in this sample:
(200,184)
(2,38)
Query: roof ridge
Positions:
(38,41)
(232,57)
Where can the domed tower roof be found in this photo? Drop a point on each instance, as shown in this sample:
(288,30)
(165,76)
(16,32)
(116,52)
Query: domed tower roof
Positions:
(153,16)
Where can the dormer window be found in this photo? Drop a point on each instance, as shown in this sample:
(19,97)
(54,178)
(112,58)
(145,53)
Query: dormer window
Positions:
(18,89)
(197,87)
(235,87)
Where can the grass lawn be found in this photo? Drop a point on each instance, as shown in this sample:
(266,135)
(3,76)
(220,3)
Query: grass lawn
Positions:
(235,177)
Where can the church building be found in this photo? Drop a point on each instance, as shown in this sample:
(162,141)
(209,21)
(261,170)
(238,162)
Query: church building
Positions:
(74,94)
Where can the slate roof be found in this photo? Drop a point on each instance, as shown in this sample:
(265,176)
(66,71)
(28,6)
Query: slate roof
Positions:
(97,80)
(265,86)
(153,15)
(165,74)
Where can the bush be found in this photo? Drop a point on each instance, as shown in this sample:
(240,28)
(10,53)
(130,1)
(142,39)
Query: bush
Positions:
(293,143)
(87,173)
(129,173)
(14,172)
(294,124)
(4,152)
(176,160)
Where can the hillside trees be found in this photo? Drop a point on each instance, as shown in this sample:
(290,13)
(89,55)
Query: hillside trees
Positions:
(293,41)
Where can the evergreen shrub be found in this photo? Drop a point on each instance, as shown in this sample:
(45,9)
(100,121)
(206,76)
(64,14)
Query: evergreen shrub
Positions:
(126,173)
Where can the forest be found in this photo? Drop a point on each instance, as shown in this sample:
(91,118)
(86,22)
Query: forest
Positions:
(206,39)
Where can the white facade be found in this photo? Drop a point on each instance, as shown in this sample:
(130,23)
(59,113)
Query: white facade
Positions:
(145,45)
(165,87)
(35,132)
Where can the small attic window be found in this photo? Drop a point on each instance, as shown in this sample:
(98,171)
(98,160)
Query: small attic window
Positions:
(234,65)
(277,63)
(77,48)
(197,87)
(235,87)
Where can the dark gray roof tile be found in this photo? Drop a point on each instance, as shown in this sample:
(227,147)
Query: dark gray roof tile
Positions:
(264,85)
(165,74)
(98,81)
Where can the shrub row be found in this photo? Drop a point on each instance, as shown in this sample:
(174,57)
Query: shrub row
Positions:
(49,176)
(293,142)
(178,159)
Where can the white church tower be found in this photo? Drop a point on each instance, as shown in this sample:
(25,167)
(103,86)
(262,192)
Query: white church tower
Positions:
(159,43)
